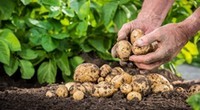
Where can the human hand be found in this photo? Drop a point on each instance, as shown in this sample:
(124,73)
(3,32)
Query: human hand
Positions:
(170,39)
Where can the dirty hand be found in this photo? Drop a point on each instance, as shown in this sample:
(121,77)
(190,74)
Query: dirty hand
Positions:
(170,39)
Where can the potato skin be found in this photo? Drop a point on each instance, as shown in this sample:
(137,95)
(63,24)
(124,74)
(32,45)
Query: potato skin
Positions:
(78,95)
(105,70)
(86,72)
(135,34)
(125,88)
(62,91)
(123,50)
(134,95)
(194,89)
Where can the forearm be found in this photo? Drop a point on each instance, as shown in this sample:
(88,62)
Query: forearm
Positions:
(155,10)
(191,25)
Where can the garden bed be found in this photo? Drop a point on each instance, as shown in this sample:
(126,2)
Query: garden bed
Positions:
(18,94)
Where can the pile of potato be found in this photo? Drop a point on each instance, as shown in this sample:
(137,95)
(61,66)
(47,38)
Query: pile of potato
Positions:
(105,81)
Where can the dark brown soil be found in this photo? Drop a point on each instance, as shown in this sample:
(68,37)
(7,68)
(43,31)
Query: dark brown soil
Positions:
(18,94)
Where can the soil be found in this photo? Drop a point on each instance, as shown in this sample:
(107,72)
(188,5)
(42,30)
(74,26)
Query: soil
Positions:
(18,94)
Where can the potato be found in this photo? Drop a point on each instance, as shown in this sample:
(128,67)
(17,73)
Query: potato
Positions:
(157,79)
(62,91)
(78,95)
(109,77)
(137,33)
(123,50)
(180,89)
(69,84)
(103,89)
(127,78)
(89,87)
(100,79)
(117,71)
(86,72)
(140,84)
(50,94)
(117,81)
(160,88)
(194,89)
(105,70)
(134,95)
(126,88)
(75,87)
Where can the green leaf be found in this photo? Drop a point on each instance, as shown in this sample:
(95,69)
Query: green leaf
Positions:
(63,64)
(48,43)
(42,24)
(194,101)
(26,68)
(187,55)
(60,36)
(6,9)
(109,10)
(35,35)
(68,12)
(4,53)
(12,41)
(75,61)
(51,2)
(120,18)
(84,10)
(98,44)
(47,72)
(28,54)
(86,47)
(12,67)
(121,2)
(26,2)
(81,28)
(192,48)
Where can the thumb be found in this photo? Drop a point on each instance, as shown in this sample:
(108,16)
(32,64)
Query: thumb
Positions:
(146,40)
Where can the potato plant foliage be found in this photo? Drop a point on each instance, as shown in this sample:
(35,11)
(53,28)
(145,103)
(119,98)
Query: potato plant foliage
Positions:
(44,36)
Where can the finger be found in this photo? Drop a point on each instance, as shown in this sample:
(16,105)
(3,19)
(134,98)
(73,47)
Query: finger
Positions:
(124,31)
(147,39)
(157,55)
(149,66)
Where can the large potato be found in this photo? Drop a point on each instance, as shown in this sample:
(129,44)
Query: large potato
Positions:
(86,72)
(194,89)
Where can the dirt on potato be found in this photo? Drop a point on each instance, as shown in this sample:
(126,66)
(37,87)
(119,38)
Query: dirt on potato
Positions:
(18,94)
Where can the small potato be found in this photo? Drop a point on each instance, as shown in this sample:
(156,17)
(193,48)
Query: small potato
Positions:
(126,88)
(180,89)
(86,72)
(117,71)
(103,89)
(127,77)
(160,88)
(69,84)
(157,79)
(117,81)
(134,95)
(78,95)
(194,89)
(62,91)
(76,87)
(105,70)
(123,50)
(140,84)
(137,33)
(100,79)
(109,77)
(88,86)
(50,94)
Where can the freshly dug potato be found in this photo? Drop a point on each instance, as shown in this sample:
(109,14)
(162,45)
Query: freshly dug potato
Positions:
(127,78)
(103,89)
(78,95)
(137,33)
(126,88)
(117,81)
(157,79)
(194,89)
(76,87)
(100,79)
(88,86)
(117,71)
(50,94)
(69,84)
(86,72)
(140,84)
(134,95)
(160,88)
(62,91)
(180,89)
(123,50)
(105,70)
(109,77)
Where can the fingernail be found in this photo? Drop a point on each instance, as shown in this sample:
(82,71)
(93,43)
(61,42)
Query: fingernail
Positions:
(139,42)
